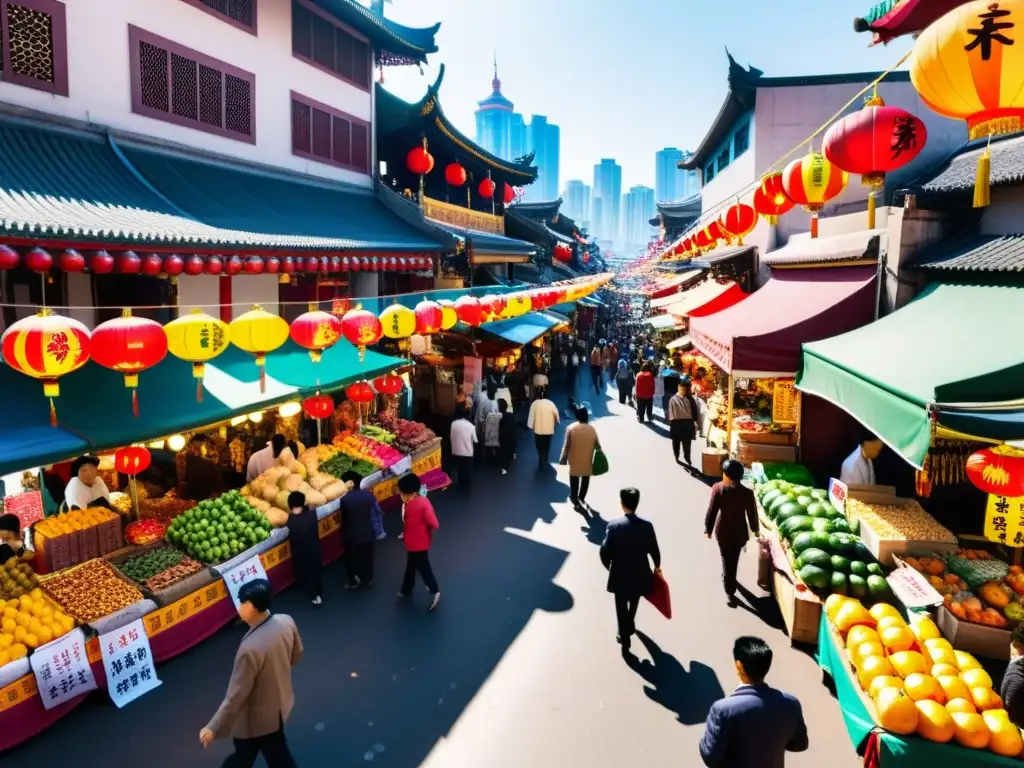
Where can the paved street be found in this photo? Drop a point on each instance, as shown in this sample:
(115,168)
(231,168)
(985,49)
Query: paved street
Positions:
(519,665)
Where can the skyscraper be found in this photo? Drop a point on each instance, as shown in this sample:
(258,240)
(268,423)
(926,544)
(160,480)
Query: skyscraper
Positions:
(637,209)
(607,189)
(576,201)
(671,183)
(544,141)
(496,123)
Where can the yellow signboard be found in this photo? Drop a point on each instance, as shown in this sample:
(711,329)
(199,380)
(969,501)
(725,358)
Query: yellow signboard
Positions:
(388,488)
(1004,520)
(785,402)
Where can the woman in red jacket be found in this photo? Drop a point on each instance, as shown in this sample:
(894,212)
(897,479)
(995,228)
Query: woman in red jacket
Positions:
(420,523)
(644,393)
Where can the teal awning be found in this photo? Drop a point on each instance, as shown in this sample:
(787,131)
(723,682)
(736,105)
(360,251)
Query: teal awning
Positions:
(94,407)
(523,330)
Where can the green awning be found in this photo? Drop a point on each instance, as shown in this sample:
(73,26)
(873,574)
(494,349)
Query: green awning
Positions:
(94,407)
(953,349)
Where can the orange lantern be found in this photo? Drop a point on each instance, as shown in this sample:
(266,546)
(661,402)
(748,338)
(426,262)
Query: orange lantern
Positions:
(361,329)
(316,331)
(398,322)
(811,181)
(197,338)
(429,316)
(132,460)
(129,345)
(318,406)
(360,393)
(389,384)
(46,346)
(738,221)
(258,332)
(449,317)
(770,198)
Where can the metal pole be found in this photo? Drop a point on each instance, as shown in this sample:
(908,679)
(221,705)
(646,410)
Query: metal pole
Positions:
(728,416)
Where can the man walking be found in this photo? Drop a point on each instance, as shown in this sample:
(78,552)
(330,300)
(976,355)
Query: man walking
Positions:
(420,522)
(358,509)
(628,543)
(595,369)
(259,698)
(542,420)
(682,421)
(464,440)
(757,725)
(578,452)
(645,393)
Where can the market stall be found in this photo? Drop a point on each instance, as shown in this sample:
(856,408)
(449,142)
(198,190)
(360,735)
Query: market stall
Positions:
(705,299)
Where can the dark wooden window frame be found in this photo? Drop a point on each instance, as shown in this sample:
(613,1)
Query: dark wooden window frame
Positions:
(333,112)
(59,39)
(316,11)
(233,22)
(137,35)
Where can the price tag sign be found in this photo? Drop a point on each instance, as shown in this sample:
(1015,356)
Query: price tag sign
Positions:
(27,506)
(837,494)
(1004,520)
(62,669)
(913,589)
(129,663)
(785,402)
(250,570)
(401,466)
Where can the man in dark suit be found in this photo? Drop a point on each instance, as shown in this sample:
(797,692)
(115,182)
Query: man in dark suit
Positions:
(628,543)
(756,725)
(1012,689)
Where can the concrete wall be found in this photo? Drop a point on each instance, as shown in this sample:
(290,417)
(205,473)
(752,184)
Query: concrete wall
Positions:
(100,89)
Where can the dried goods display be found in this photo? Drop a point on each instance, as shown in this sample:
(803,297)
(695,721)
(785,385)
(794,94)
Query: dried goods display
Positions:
(166,508)
(159,568)
(901,522)
(28,622)
(91,590)
(144,531)
(947,461)
(16,579)
(219,529)
(238,452)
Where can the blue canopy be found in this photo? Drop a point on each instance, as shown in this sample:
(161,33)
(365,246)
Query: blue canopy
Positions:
(523,330)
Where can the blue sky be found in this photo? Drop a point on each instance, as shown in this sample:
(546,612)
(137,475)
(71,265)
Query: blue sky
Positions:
(624,79)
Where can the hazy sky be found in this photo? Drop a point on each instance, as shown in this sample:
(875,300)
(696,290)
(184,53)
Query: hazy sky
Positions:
(624,79)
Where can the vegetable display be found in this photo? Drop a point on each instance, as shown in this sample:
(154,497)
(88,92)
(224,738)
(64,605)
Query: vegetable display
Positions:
(341,463)
(91,591)
(379,434)
(362,447)
(160,568)
(219,529)
(270,491)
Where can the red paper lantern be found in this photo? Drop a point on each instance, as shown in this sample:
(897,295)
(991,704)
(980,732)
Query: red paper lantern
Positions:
(288,265)
(253,266)
(38,260)
(316,331)
(335,264)
(360,392)
(346,264)
(152,265)
(71,261)
(389,384)
(811,181)
(213,265)
(508,193)
(486,189)
(9,258)
(455,174)
(428,317)
(174,265)
(361,329)
(738,221)
(874,141)
(357,264)
(194,265)
(770,199)
(998,470)
(469,310)
(273,265)
(705,239)
(129,263)
(132,460)
(563,253)
(129,345)
(419,161)
(233,266)
(101,263)
(318,406)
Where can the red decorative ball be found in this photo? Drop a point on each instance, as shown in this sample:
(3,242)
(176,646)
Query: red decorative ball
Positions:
(419,161)
(389,384)
(318,406)
(316,331)
(335,264)
(214,265)
(486,189)
(311,265)
(233,266)
(508,193)
(9,258)
(738,221)
(71,261)
(273,265)
(173,264)
(132,460)
(129,263)
(152,264)
(254,266)
(38,260)
(101,263)
(428,317)
(346,264)
(288,265)
(770,198)
(360,392)
(194,265)
(874,141)
(455,174)
(469,310)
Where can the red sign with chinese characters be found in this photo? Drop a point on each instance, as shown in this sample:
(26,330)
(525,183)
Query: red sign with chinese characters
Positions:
(27,506)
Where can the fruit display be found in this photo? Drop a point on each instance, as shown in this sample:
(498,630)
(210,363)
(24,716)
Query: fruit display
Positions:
(165,508)
(902,522)
(91,590)
(918,684)
(409,435)
(74,537)
(28,622)
(159,568)
(269,492)
(16,579)
(144,531)
(369,450)
(933,568)
(379,434)
(996,598)
(825,555)
(219,529)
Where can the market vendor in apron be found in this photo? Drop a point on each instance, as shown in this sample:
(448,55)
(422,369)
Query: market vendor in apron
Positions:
(86,488)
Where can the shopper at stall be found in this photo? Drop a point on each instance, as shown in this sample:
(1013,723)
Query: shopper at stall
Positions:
(595,369)
(1012,689)
(624,382)
(731,510)
(359,530)
(10,538)
(259,697)
(463,443)
(670,377)
(542,420)
(266,458)
(682,421)
(756,725)
(486,404)
(304,538)
(508,436)
(492,427)
(539,383)
(420,522)
(859,467)
(86,488)
(645,393)
(578,452)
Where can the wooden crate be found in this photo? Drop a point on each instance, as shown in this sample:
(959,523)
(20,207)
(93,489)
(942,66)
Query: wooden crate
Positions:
(711,462)
(801,610)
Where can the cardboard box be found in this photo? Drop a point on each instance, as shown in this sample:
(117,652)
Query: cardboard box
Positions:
(991,642)
(884,549)
(711,462)
(801,610)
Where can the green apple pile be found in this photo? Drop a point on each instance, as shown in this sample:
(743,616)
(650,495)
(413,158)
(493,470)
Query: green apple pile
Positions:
(219,529)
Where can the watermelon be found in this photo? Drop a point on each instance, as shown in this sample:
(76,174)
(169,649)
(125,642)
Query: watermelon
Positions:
(878,587)
(770,494)
(788,510)
(817,524)
(861,552)
(855,526)
(800,490)
(804,501)
(802,541)
(819,493)
(793,525)
(778,501)
(858,568)
(839,525)
(858,587)
(816,557)
(817,509)
(840,563)
(875,569)
(815,577)
(840,584)
(820,540)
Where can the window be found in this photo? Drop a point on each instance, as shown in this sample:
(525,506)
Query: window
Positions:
(741,141)
(324,43)
(34,44)
(238,13)
(723,159)
(185,87)
(709,172)
(329,136)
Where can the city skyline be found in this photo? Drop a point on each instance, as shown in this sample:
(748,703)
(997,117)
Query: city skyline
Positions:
(670,182)
(606,199)
(637,210)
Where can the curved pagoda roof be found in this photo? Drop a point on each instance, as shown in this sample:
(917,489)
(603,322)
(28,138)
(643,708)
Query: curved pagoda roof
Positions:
(562,227)
(890,19)
(395,43)
(678,213)
(403,124)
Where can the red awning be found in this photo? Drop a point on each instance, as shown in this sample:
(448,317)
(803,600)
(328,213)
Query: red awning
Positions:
(761,336)
(667,287)
(706,299)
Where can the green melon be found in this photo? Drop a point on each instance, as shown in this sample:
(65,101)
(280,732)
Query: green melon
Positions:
(768,496)
(816,557)
(804,501)
(877,586)
(788,510)
(802,541)
(840,563)
(819,493)
(793,525)
(815,577)
(817,509)
(820,525)
(858,569)
(840,584)
(875,569)
(839,525)
(858,586)
(820,540)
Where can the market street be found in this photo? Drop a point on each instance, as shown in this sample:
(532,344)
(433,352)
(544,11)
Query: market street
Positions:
(518,666)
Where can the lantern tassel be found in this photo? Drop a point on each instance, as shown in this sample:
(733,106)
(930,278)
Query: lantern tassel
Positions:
(263,379)
(199,390)
(53,414)
(871,209)
(135,403)
(982,189)
(814,225)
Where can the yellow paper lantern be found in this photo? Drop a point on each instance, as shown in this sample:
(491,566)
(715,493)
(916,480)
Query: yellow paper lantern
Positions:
(398,322)
(197,338)
(258,332)
(449,317)
(516,305)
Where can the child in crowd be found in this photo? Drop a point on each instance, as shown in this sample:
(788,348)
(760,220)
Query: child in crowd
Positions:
(420,523)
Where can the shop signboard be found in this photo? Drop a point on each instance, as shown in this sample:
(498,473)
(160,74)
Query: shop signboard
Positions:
(128,660)
(912,588)
(250,570)
(1004,520)
(785,402)
(62,669)
(837,494)
(27,506)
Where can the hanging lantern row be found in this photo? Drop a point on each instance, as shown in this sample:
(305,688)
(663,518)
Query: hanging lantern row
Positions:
(420,162)
(39,260)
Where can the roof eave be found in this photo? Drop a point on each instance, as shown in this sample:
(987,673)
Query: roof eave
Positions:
(404,42)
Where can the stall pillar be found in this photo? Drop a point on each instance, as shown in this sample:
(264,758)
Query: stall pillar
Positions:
(728,416)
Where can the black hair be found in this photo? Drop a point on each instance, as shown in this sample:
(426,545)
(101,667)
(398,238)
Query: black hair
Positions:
(296,499)
(294,448)
(81,461)
(351,476)
(256,593)
(869,437)
(582,415)
(502,405)
(755,655)
(10,523)
(409,483)
(630,498)
(492,390)
(733,469)
(462,412)
(1017,636)
(278,443)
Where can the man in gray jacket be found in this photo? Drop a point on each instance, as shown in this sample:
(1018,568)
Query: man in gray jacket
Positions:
(259,697)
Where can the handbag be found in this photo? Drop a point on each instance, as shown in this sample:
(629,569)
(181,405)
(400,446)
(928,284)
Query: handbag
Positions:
(660,597)
(600,462)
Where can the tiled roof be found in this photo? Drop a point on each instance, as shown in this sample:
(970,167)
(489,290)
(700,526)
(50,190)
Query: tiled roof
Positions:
(721,255)
(389,36)
(958,172)
(981,253)
(853,246)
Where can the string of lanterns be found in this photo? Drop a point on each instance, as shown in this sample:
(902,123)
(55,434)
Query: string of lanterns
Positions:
(48,346)
(420,162)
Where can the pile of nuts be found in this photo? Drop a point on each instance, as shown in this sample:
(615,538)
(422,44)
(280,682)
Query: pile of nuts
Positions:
(91,591)
(907,522)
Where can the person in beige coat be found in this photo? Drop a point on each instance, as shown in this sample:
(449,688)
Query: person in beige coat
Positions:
(578,452)
(259,698)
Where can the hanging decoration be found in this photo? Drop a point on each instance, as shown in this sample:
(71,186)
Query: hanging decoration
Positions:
(360,392)
(429,317)
(998,471)
(46,346)
(152,265)
(449,317)
(174,265)
(389,384)
(129,345)
(770,199)
(132,460)
(129,263)
(517,304)
(811,181)
(318,406)
(455,174)
(197,338)
(361,329)
(469,310)
(562,253)
(316,331)
(38,260)
(872,142)
(398,322)
(420,162)
(486,188)
(9,258)
(508,194)
(738,221)
(71,260)
(258,332)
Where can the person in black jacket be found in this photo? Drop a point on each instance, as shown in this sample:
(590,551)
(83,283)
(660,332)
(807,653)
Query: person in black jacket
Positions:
(731,518)
(628,543)
(358,507)
(1012,689)
(304,536)
(508,435)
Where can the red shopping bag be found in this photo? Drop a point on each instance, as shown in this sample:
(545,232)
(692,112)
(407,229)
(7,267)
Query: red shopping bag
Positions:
(660,597)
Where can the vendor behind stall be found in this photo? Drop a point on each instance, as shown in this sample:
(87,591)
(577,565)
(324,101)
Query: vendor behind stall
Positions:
(266,458)
(86,488)
(859,467)
(10,538)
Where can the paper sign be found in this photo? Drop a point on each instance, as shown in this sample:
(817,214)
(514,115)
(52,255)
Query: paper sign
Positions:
(250,570)
(785,402)
(1004,520)
(912,588)
(129,663)
(62,669)
(837,494)
(27,506)
(401,466)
